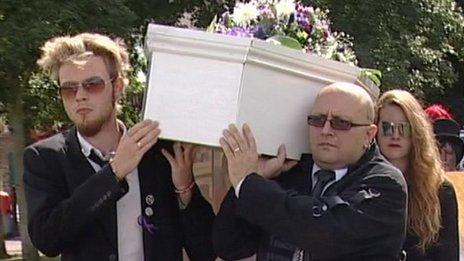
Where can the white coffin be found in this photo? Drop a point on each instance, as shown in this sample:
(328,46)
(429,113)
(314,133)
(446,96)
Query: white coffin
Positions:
(200,82)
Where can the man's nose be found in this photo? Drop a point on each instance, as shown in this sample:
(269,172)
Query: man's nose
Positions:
(327,128)
(81,94)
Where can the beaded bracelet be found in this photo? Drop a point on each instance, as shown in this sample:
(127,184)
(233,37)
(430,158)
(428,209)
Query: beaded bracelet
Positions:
(185,190)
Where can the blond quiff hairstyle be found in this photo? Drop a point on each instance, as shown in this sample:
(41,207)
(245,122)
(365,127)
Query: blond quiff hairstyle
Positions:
(64,49)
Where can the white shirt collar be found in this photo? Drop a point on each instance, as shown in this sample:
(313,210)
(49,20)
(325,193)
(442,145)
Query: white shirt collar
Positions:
(339,173)
(86,147)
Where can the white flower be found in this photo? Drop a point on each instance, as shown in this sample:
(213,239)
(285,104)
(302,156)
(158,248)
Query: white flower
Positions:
(285,8)
(141,76)
(244,13)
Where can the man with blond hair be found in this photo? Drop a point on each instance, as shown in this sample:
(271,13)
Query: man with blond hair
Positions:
(343,202)
(99,191)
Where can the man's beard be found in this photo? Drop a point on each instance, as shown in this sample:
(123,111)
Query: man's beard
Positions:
(90,128)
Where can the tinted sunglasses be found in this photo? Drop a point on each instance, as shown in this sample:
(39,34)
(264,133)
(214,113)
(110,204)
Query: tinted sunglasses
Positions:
(388,128)
(92,85)
(336,123)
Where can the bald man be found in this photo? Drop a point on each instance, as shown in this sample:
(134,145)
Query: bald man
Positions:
(343,202)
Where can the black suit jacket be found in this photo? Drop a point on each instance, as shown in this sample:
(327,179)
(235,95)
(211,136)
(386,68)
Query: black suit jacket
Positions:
(365,217)
(447,245)
(72,209)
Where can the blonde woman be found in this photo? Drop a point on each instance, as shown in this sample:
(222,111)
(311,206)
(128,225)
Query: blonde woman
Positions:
(406,139)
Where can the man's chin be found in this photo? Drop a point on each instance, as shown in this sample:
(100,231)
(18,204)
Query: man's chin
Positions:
(89,129)
(324,160)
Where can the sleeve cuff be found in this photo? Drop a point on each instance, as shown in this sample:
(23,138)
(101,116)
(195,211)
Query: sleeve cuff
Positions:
(237,188)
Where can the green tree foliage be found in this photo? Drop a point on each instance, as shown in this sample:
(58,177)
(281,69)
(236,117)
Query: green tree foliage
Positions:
(417,44)
(26,25)
(162,11)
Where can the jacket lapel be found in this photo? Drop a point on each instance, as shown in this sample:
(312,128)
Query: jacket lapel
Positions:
(154,183)
(78,171)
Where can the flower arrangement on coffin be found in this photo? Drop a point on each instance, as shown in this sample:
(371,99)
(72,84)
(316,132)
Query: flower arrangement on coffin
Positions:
(291,24)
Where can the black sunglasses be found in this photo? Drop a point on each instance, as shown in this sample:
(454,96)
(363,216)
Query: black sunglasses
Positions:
(388,128)
(92,85)
(336,123)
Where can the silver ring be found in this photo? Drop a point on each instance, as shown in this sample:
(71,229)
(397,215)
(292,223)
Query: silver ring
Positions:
(236,149)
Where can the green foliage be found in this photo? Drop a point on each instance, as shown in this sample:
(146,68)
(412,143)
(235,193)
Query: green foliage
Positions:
(205,12)
(44,105)
(411,42)
(162,12)
(26,25)
(286,41)
(372,74)
(131,104)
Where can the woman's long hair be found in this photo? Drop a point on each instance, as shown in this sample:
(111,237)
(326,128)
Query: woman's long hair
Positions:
(425,173)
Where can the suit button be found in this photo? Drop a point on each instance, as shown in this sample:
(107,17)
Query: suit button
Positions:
(148,211)
(317,211)
(150,199)
(112,257)
(324,207)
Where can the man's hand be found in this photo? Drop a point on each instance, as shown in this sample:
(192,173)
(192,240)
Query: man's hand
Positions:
(133,145)
(273,167)
(181,167)
(240,151)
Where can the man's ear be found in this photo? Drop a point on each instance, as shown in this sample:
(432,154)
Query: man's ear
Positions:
(118,85)
(371,132)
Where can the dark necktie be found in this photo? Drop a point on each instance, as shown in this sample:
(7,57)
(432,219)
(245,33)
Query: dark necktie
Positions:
(124,186)
(95,158)
(323,178)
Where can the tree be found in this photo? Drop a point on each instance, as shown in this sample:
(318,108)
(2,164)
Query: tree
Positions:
(163,12)
(417,44)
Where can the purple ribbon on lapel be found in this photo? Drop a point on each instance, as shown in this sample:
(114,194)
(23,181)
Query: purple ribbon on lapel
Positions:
(146,224)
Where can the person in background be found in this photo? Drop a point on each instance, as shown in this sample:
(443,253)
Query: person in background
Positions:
(438,111)
(406,139)
(447,132)
(450,144)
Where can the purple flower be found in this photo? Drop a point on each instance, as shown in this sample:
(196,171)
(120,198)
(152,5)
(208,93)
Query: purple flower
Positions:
(303,21)
(304,10)
(266,12)
(241,31)
(303,17)
(263,31)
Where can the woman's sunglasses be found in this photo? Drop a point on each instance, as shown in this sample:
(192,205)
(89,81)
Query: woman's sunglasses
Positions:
(388,128)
